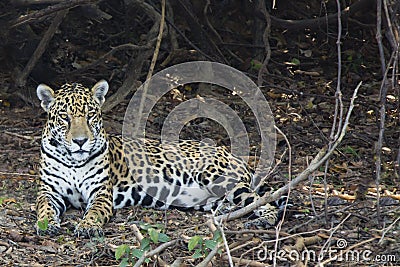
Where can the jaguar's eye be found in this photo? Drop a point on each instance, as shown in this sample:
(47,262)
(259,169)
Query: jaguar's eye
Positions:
(91,114)
(64,116)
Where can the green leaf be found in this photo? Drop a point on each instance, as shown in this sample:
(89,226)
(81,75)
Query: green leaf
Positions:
(60,239)
(255,64)
(124,262)
(350,150)
(194,241)
(210,244)
(138,253)
(163,238)
(217,236)
(120,251)
(153,233)
(43,225)
(197,254)
(145,226)
(145,244)
(159,226)
(350,58)
(295,61)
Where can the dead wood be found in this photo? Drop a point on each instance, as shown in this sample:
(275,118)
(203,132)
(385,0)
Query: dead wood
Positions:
(294,25)
(135,67)
(318,160)
(41,48)
(48,11)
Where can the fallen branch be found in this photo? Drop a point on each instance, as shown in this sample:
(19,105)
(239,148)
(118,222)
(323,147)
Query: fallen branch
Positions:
(48,11)
(244,262)
(319,159)
(210,256)
(333,230)
(155,252)
(21,80)
(135,67)
(293,25)
(279,226)
(267,31)
(33,2)
(385,230)
(104,57)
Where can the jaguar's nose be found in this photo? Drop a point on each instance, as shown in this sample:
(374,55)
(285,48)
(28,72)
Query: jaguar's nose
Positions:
(80,141)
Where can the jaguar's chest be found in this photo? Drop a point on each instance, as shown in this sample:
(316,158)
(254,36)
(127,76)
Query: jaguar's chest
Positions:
(75,184)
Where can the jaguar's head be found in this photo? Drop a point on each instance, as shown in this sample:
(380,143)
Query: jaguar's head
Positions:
(74,126)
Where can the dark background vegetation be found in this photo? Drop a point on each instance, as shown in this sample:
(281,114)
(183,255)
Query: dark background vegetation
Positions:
(289,48)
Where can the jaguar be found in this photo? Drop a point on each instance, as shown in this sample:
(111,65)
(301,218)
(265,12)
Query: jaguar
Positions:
(83,167)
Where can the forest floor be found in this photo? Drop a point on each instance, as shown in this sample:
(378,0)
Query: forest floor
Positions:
(312,226)
(336,223)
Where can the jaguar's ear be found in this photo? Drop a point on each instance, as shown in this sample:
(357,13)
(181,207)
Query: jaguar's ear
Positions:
(46,95)
(99,91)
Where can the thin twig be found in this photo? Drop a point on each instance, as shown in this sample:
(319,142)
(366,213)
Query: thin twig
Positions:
(333,231)
(33,2)
(107,55)
(158,43)
(172,33)
(279,226)
(228,252)
(64,5)
(137,233)
(18,174)
(151,69)
(391,35)
(134,70)
(216,35)
(319,159)
(155,252)
(293,25)
(378,148)
(187,40)
(210,256)
(383,90)
(384,231)
(244,262)
(26,137)
(266,34)
(338,115)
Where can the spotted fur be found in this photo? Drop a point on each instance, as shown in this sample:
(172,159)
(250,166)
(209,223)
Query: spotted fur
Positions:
(83,167)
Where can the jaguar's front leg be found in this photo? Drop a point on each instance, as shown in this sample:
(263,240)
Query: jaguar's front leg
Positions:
(98,212)
(49,207)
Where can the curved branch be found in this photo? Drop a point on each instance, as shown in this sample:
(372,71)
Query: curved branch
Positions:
(322,21)
(49,10)
(320,158)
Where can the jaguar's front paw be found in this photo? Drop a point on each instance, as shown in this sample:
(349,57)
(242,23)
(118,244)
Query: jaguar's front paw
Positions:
(88,231)
(265,216)
(48,229)
(260,223)
(270,214)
